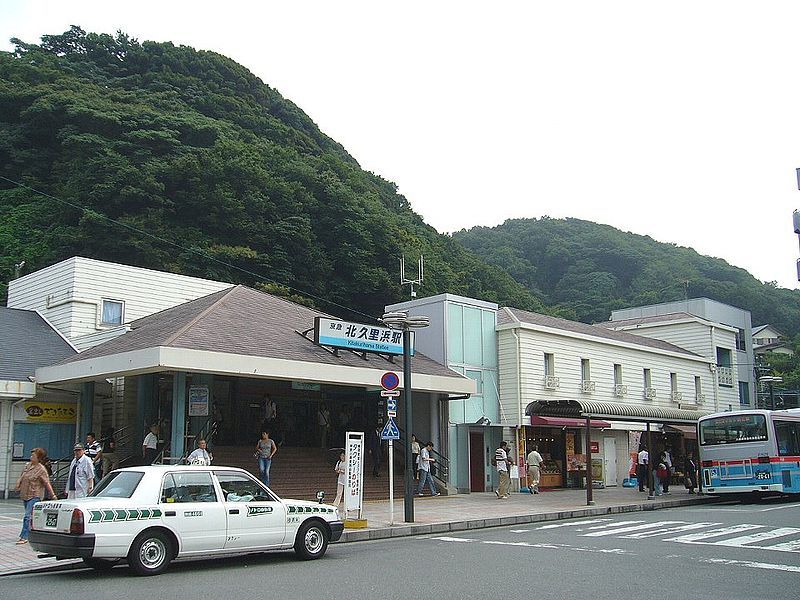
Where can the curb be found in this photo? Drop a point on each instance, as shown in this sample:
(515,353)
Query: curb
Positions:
(578,513)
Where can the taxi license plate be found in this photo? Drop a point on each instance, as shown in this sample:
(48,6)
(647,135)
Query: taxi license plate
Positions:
(51,519)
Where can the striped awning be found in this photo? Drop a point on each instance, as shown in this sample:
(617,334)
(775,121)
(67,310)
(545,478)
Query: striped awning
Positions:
(616,411)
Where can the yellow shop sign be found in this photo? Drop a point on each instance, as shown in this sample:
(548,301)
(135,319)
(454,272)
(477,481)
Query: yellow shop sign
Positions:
(50,412)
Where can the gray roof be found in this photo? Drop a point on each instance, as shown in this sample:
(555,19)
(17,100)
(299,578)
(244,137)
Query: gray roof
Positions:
(599,332)
(28,342)
(241,320)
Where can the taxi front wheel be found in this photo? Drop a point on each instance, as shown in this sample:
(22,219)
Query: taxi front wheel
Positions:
(311,541)
(150,553)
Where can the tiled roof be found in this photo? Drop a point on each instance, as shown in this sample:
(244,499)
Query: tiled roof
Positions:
(602,333)
(28,342)
(241,320)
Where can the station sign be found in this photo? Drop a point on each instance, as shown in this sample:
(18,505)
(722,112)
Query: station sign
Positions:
(358,337)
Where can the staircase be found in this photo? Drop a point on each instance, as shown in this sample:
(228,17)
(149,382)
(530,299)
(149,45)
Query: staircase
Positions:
(301,472)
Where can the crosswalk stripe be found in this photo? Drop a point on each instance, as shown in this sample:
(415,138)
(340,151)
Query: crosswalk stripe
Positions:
(697,537)
(616,524)
(793,546)
(631,528)
(668,530)
(588,522)
(758,537)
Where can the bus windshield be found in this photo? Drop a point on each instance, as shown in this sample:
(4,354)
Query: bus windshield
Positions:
(732,429)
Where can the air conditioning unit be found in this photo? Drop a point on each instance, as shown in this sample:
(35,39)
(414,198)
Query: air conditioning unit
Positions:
(551,382)
(676,396)
(620,390)
(650,393)
(587,387)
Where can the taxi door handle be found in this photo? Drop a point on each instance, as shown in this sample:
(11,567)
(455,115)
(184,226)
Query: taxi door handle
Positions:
(233,511)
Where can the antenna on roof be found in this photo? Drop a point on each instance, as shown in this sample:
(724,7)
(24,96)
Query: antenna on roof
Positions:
(412,282)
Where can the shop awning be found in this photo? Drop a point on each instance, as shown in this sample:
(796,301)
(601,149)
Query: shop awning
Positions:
(613,411)
(689,432)
(538,421)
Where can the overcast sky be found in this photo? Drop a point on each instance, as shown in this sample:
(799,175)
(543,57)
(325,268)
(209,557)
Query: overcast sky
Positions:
(676,120)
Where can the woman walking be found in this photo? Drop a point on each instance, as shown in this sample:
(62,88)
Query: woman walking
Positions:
(415,449)
(265,450)
(340,468)
(31,485)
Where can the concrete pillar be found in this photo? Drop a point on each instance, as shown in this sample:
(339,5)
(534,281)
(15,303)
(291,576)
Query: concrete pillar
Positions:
(177,443)
(87,409)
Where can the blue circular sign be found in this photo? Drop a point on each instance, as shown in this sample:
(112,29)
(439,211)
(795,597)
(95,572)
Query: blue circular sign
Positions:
(389,380)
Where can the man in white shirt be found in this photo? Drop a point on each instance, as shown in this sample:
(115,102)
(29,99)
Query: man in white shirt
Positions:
(534,461)
(80,482)
(502,461)
(200,456)
(668,463)
(150,445)
(425,461)
(641,467)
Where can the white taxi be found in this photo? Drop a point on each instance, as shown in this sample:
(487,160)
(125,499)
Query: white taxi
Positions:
(151,515)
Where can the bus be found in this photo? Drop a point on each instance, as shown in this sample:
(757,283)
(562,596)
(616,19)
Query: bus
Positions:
(750,451)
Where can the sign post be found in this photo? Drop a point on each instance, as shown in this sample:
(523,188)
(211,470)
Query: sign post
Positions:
(389,381)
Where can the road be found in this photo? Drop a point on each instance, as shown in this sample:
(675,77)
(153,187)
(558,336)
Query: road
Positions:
(732,551)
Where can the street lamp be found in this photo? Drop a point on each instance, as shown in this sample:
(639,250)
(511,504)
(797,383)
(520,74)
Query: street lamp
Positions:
(770,380)
(405,322)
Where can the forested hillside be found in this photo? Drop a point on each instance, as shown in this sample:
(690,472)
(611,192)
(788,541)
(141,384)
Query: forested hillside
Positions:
(584,270)
(192,148)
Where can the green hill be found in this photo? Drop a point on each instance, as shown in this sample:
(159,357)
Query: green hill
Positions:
(195,150)
(584,270)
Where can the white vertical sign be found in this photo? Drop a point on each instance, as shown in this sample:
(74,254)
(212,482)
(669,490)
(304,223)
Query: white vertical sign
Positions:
(354,486)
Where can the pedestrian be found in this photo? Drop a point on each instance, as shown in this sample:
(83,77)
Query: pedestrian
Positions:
(270,410)
(503,462)
(690,473)
(375,448)
(200,455)
(150,445)
(110,460)
(661,474)
(80,482)
(324,422)
(641,467)
(341,479)
(534,461)
(94,451)
(265,450)
(425,462)
(32,484)
(415,449)
(667,457)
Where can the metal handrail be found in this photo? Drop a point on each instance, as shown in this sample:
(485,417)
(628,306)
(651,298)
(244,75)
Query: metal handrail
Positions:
(60,467)
(441,466)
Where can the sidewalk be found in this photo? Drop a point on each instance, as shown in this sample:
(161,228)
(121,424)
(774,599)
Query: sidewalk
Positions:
(431,515)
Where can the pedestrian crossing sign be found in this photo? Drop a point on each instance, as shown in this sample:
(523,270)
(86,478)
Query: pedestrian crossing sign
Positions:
(390,431)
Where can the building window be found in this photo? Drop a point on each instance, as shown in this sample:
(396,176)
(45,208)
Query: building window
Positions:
(648,379)
(112,312)
(585,374)
(698,386)
(477,377)
(673,382)
(744,393)
(740,340)
(549,364)
(617,374)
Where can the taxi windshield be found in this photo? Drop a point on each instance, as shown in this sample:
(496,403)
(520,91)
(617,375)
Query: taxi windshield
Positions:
(118,484)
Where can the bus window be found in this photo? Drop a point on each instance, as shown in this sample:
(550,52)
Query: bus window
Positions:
(788,436)
(732,429)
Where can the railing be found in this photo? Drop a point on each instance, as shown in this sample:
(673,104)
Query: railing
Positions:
(551,382)
(440,468)
(650,393)
(676,396)
(587,387)
(700,398)
(620,390)
(725,376)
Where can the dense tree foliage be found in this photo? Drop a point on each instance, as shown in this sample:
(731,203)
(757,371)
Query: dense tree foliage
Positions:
(230,180)
(584,270)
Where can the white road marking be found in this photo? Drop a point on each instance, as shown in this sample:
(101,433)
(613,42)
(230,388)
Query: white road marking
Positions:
(751,564)
(639,527)
(520,530)
(590,522)
(796,505)
(616,524)
(793,546)
(668,530)
(758,537)
(453,539)
(694,538)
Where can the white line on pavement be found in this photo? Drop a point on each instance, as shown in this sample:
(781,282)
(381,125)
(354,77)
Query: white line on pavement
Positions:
(752,565)
(780,507)
(615,524)
(758,537)
(694,538)
(590,522)
(632,528)
(453,539)
(668,530)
